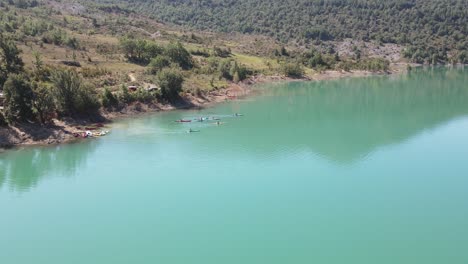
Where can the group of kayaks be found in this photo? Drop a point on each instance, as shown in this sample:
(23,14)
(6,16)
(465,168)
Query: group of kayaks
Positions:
(203,119)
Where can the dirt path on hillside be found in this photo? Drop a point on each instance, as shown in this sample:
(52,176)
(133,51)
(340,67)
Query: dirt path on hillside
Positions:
(132,77)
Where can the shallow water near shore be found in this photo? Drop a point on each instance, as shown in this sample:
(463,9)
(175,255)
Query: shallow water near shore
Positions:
(359,170)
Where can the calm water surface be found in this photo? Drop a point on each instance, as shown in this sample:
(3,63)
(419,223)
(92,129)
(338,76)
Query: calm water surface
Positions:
(368,170)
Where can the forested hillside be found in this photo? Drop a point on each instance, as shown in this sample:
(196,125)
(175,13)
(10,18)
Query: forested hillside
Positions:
(431,29)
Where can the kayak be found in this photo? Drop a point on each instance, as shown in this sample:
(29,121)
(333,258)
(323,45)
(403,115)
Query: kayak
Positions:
(102,133)
(183,121)
(191,131)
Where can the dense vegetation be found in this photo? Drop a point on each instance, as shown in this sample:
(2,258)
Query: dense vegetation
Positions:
(72,59)
(46,92)
(40,94)
(431,29)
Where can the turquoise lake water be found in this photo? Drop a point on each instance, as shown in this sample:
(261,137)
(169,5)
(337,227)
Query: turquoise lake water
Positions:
(361,170)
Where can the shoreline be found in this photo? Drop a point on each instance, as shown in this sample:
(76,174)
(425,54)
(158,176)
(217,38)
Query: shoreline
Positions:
(61,131)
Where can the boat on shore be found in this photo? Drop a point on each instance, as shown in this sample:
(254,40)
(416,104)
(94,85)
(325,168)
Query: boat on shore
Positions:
(88,134)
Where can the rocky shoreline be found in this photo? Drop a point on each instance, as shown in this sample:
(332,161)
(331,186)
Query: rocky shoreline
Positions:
(62,131)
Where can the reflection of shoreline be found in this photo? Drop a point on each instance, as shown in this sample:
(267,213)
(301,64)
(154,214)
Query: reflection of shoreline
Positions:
(346,120)
(21,170)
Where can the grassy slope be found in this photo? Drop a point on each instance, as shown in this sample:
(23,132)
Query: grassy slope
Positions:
(99,44)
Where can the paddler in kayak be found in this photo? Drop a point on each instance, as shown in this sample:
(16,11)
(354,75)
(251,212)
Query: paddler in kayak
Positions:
(191,130)
(237,114)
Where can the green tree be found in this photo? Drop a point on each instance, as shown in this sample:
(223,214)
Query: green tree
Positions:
(18,98)
(178,54)
(134,50)
(10,60)
(71,95)
(43,104)
(463,57)
(152,50)
(87,101)
(170,80)
(284,52)
(3,121)
(40,72)
(139,50)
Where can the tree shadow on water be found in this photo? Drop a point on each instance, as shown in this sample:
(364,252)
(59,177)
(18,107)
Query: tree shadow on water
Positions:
(23,169)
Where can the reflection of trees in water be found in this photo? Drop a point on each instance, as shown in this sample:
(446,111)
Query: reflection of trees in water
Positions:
(23,169)
(345,120)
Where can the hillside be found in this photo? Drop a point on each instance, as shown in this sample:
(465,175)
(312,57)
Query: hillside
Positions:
(432,30)
(68,63)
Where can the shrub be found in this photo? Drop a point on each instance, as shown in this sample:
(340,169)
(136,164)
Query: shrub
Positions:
(108,99)
(224,69)
(220,52)
(212,64)
(293,70)
(230,70)
(143,95)
(170,80)
(238,72)
(124,95)
(88,72)
(314,59)
(373,64)
(159,63)
(72,42)
(199,52)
